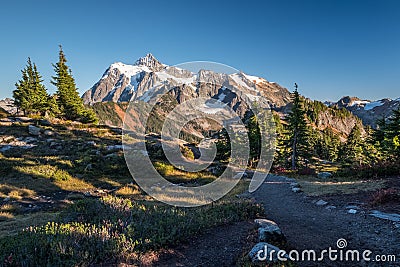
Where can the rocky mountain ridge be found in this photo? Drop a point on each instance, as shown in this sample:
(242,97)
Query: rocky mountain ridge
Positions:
(368,111)
(140,81)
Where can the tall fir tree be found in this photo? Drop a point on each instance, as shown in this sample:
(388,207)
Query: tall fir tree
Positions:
(352,150)
(392,133)
(69,102)
(298,141)
(30,95)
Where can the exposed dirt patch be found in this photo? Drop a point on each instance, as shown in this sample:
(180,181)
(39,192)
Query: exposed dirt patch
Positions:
(220,246)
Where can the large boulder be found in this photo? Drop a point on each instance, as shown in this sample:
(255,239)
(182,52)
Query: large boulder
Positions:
(269,231)
(33,130)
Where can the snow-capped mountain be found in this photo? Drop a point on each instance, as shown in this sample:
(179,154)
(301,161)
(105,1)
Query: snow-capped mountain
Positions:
(147,77)
(369,111)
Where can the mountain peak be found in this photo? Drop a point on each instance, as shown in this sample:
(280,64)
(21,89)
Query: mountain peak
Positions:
(149,61)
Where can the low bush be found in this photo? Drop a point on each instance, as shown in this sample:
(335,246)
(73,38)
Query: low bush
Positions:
(375,170)
(97,230)
(384,196)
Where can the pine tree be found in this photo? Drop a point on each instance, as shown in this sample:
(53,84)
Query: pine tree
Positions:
(392,133)
(30,95)
(69,102)
(297,130)
(352,150)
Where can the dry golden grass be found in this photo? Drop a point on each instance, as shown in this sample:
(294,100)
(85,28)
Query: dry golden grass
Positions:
(15,192)
(128,191)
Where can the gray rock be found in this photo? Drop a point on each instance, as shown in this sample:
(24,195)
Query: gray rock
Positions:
(48,133)
(92,143)
(296,190)
(352,211)
(324,175)
(386,216)
(264,222)
(321,203)
(262,252)
(33,130)
(270,233)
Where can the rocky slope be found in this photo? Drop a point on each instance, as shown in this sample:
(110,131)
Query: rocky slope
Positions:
(368,111)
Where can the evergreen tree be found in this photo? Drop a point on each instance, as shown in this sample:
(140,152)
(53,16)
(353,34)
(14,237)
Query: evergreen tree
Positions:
(352,150)
(69,102)
(254,139)
(30,95)
(392,133)
(298,141)
(281,152)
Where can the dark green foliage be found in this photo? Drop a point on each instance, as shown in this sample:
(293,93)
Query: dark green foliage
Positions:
(69,102)
(254,136)
(386,138)
(298,132)
(352,150)
(30,95)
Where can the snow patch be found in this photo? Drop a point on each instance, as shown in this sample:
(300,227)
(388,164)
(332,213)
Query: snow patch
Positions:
(127,70)
(372,105)
(164,76)
(359,102)
(236,77)
(254,79)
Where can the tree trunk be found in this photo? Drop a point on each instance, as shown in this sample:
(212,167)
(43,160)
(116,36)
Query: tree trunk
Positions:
(294,148)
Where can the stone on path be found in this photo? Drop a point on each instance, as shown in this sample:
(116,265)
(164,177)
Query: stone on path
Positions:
(352,211)
(321,203)
(386,216)
(296,189)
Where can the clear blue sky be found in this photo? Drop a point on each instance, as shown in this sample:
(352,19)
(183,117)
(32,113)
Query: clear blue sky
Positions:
(330,48)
